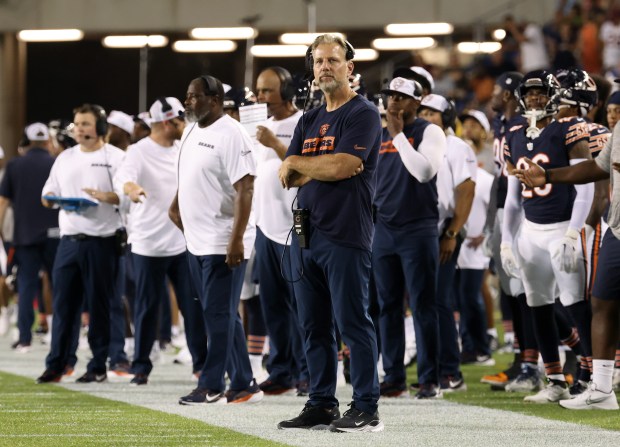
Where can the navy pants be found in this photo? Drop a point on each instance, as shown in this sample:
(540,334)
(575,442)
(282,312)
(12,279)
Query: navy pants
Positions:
(219,289)
(117,318)
(335,285)
(449,354)
(150,279)
(473,325)
(84,268)
(287,360)
(404,262)
(30,260)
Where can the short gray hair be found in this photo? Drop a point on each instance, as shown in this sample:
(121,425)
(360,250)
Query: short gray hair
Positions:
(330,39)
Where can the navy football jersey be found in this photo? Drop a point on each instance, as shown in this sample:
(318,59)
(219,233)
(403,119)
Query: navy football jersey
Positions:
(341,210)
(551,203)
(501,127)
(599,135)
(402,202)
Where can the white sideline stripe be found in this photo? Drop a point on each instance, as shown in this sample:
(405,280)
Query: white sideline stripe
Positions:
(407,421)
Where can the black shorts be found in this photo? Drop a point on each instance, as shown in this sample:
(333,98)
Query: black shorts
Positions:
(607,280)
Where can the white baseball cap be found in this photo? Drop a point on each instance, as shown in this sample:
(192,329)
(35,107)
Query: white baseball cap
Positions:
(165,109)
(435,102)
(37,132)
(416,72)
(121,120)
(478,116)
(405,87)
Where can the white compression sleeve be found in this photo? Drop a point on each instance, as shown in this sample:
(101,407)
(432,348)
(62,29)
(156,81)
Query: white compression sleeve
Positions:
(512,210)
(424,162)
(583,201)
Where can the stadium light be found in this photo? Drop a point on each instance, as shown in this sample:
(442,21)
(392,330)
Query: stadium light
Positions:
(403,43)
(234,33)
(204,46)
(418,29)
(50,35)
(365,54)
(499,34)
(134,41)
(478,47)
(303,38)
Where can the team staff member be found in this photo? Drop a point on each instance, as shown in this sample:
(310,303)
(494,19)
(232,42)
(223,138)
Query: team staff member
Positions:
(272,207)
(157,245)
(336,141)
(34,248)
(212,207)
(86,262)
(405,246)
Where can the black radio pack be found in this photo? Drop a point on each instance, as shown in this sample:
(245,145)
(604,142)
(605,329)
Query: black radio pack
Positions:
(301,218)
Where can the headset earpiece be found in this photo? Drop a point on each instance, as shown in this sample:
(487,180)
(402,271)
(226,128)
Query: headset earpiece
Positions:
(101,125)
(287,87)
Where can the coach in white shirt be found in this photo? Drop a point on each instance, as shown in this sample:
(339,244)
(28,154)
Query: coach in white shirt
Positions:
(148,176)
(274,219)
(213,207)
(86,263)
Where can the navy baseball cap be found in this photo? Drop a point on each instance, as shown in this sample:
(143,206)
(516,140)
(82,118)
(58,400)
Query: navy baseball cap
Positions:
(509,80)
(614,99)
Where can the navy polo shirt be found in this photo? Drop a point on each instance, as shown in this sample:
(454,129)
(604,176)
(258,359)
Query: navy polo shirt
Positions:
(22,184)
(341,210)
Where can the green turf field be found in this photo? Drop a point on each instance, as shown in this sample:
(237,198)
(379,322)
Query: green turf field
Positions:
(52,416)
(480,394)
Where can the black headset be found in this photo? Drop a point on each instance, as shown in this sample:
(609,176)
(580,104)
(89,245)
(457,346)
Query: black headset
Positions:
(101,125)
(212,86)
(287,88)
(348,55)
(448,116)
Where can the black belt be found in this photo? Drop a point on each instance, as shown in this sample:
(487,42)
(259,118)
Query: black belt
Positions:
(81,237)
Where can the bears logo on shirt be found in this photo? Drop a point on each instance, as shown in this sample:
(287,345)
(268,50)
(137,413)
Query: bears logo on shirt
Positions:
(323,129)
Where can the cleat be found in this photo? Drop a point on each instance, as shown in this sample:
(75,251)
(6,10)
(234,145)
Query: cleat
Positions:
(592,399)
(21,348)
(303,388)
(553,392)
(68,371)
(200,396)
(251,394)
(527,381)
(354,420)
(312,418)
(577,388)
(484,360)
(616,380)
(139,379)
(391,389)
(500,378)
(121,370)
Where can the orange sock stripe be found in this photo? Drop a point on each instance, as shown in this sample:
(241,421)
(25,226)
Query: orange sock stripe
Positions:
(573,339)
(507,325)
(596,246)
(553,368)
(530,356)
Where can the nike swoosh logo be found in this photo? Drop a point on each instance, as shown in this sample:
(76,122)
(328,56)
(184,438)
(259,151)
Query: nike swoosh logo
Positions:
(357,424)
(359,148)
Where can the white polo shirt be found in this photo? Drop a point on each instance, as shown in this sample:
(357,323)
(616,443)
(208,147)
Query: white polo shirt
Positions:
(272,203)
(459,164)
(75,170)
(474,258)
(153,167)
(211,161)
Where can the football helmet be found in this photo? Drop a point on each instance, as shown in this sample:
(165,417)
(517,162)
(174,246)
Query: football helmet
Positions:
(542,79)
(578,89)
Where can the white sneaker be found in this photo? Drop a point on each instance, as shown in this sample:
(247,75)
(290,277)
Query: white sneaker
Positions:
(552,393)
(260,373)
(184,357)
(592,399)
(484,360)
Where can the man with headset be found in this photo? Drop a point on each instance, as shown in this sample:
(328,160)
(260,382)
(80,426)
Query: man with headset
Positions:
(86,263)
(212,208)
(157,245)
(274,219)
(332,158)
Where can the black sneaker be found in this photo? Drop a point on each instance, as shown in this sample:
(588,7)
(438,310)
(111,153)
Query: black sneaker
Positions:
(49,376)
(450,384)
(273,388)
(139,379)
(391,389)
(312,418)
(428,391)
(354,420)
(251,394)
(90,377)
(577,388)
(201,396)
